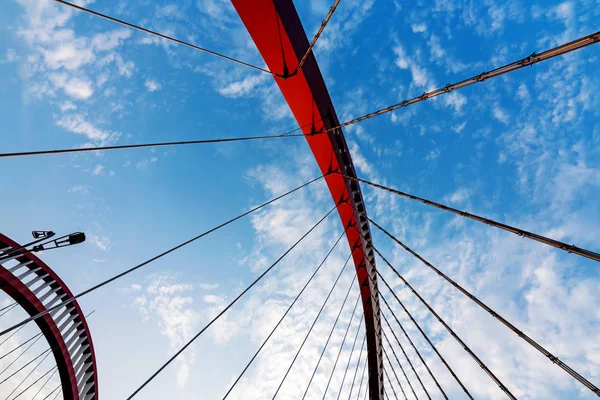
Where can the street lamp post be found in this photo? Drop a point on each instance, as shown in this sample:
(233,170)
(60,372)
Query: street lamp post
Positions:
(40,236)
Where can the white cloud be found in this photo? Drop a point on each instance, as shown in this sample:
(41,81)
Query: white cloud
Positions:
(11,56)
(501,115)
(433,154)
(98,169)
(77,123)
(110,40)
(83,189)
(152,85)
(125,68)
(67,106)
(243,87)
(102,242)
(79,88)
(418,27)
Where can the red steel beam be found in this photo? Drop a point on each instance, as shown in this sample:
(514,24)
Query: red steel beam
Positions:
(276,29)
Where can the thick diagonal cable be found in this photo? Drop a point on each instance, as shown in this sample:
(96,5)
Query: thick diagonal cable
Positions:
(55,368)
(362,348)
(28,375)
(390,383)
(264,343)
(10,336)
(513,66)
(342,345)
(156,144)
(450,330)
(405,355)
(349,359)
(399,364)
(317,35)
(529,235)
(362,377)
(494,314)
(224,310)
(8,309)
(163,36)
(411,343)
(395,374)
(44,385)
(11,304)
(172,249)
(312,326)
(328,338)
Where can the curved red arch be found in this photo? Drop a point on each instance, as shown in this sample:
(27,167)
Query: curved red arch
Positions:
(276,29)
(74,388)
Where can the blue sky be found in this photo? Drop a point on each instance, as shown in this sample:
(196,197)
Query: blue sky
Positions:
(522,149)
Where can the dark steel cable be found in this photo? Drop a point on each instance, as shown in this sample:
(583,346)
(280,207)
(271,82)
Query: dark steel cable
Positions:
(341,346)
(53,391)
(399,364)
(157,144)
(497,316)
(283,317)
(11,335)
(56,395)
(317,35)
(529,235)
(44,385)
(412,344)
(28,375)
(11,304)
(362,348)
(162,36)
(405,356)
(9,307)
(329,337)
(223,311)
(395,374)
(312,326)
(390,383)
(362,377)
(349,359)
(21,345)
(36,381)
(524,62)
(452,333)
(93,288)
(23,367)
(442,359)
(20,355)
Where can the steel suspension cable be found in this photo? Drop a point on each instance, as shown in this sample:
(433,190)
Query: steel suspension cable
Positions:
(411,343)
(311,327)
(513,66)
(317,35)
(55,368)
(11,304)
(523,233)
(405,356)
(44,385)
(357,366)
(442,359)
(172,249)
(497,316)
(342,345)
(399,364)
(362,377)
(349,359)
(390,383)
(28,375)
(23,367)
(395,374)
(329,338)
(163,36)
(8,309)
(20,355)
(283,317)
(224,310)
(21,345)
(156,144)
(10,336)
(450,330)
(53,391)
(56,395)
